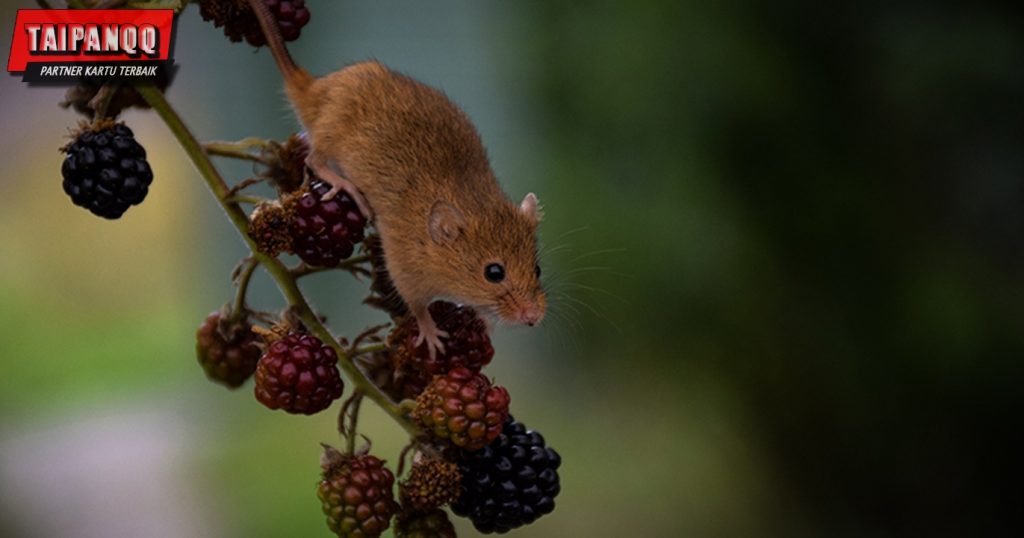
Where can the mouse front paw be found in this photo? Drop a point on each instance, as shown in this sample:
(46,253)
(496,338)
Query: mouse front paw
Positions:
(431,336)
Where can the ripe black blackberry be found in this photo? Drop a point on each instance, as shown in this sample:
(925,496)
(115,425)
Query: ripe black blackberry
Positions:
(105,170)
(510,483)
(298,374)
(239,21)
(325,232)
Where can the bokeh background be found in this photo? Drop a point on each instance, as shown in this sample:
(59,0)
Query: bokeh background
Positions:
(785,239)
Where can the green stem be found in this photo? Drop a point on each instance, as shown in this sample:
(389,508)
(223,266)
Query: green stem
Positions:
(353,422)
(238,309)
(277,270)
(304,269)
(245,199)
(237,150)
(370,348)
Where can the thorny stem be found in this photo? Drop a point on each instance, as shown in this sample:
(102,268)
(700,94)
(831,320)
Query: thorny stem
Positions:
(352,265)
(237,150)
(370,348)
(277,270)
(246,199)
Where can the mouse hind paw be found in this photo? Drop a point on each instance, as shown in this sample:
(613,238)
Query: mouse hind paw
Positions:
(338,184)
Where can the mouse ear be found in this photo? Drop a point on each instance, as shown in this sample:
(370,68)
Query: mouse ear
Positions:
(446,223)
(530,207)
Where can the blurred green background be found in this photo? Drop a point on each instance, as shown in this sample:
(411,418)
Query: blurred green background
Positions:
(786,248)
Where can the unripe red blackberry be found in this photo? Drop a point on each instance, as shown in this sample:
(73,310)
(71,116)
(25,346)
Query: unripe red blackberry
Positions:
(298,374)
(227,352)
(432,483)
(239,21)
(356,494)
(434,524)
(105,170)
(468,344)
(464,408)
(510,483)
(325,232)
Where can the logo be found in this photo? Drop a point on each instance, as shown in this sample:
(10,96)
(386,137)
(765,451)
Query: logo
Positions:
(62,45)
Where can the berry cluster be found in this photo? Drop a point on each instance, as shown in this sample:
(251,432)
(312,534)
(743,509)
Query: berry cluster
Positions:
(239,21)
(227,352)
(510,483)
(298,374)
(105,170)
(324,232)
(463,407)
(356,494)
(468,344)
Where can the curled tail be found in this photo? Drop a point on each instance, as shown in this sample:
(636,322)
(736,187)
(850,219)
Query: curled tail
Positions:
(296,79)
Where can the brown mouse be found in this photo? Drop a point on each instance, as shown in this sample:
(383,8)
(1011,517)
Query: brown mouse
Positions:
(417,167)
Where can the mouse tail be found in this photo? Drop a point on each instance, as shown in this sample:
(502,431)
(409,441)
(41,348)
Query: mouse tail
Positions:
(296,79)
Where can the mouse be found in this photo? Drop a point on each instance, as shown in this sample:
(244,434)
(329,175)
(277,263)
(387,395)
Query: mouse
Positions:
(417,168)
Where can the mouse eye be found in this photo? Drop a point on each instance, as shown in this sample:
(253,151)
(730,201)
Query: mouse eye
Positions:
(536,270)
(494,272)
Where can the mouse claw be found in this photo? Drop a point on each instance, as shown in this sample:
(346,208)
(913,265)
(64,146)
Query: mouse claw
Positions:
(432,337)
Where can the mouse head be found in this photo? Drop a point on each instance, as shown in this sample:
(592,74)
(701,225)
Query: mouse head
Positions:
(488,258)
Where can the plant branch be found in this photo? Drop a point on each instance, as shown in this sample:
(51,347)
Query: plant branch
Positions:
(244,276)
(237,150)
(352,265)
(277,270)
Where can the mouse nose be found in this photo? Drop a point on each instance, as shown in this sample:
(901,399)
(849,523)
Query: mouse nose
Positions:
(530,315)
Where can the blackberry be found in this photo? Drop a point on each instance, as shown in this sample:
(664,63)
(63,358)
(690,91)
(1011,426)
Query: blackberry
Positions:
(356,494)
(462,407)
(105,170)
(432,483)
(468,344)
(510,483)
(325,232)
(434,524)
(298,374)
(227,352)
(239,20)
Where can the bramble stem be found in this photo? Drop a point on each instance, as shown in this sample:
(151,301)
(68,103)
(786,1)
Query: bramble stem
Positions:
(237,150)
(370,348)
(244,277)
(281,275)
(353,422)
(350,264)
